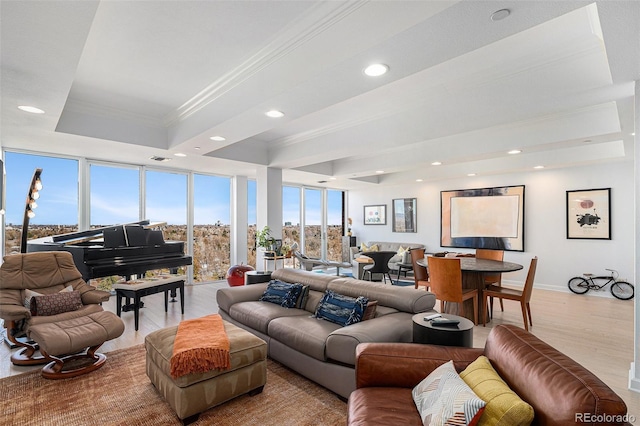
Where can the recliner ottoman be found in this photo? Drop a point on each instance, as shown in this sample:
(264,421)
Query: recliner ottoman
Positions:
(194,393)
(61,341)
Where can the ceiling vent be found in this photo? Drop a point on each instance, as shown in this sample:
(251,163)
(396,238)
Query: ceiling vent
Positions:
(322,181)
(161,159)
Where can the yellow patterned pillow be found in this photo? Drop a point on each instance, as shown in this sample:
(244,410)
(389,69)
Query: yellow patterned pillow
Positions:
(364,248)
(401,250)
(504,407)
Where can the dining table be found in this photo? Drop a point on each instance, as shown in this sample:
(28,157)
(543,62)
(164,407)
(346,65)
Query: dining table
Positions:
(473,274)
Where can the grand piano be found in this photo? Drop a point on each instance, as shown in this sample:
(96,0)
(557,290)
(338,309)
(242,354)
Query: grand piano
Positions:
(125,250)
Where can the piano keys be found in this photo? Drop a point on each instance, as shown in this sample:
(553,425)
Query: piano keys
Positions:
(125,250)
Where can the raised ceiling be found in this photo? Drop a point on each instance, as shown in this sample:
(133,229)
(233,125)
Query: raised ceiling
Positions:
(126,80)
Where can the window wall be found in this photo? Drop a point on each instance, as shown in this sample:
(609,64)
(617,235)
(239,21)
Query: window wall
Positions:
(114,194)
(252,221)
(291,216)
(322,212)
(195,207)
(57,207)
(166,202)
(335,224)
(313,234)
(211,227)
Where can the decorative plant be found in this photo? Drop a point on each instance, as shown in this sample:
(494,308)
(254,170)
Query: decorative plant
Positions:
(264,238)
(350,222)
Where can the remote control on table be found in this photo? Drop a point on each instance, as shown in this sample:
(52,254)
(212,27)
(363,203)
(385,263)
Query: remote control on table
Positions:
(444,321)
(431,317)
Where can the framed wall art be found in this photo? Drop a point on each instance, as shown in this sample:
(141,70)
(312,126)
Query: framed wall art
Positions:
(485,218)
(589,214)
(404,215)
(375,215)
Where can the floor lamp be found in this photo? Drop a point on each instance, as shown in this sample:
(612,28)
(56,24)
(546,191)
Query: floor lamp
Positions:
(32,196)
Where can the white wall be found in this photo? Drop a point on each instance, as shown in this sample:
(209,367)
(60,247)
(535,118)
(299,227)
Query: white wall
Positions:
(545,223)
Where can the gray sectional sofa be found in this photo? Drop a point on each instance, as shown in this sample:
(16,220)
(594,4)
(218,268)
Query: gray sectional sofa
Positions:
(318,349)
(382,246)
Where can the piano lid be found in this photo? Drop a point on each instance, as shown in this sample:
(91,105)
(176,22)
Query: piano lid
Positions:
(95,236)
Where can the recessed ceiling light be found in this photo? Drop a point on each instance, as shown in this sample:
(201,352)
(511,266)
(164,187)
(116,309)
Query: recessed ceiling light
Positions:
(180,154)
(539,167)
(218,138)
(436,163)
(514,151)
(418,180)
(332,178)
(586,140)
(274,114)
(379,171)
(471,174)
(376,70)
(633,134)
(500,14)
(31,109)
(197,148)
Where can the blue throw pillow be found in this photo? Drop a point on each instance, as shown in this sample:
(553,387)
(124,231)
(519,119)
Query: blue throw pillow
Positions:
(340,309)
(283,294)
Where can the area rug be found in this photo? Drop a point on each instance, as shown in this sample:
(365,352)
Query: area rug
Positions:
(120,393)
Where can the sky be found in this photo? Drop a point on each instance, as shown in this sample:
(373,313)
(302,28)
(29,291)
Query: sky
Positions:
(114,195)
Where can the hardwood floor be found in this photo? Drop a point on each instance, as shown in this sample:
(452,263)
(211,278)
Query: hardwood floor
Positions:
(595,331)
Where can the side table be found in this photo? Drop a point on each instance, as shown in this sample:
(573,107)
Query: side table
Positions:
(427,333)
(362,262)
(256,277)
(273,258)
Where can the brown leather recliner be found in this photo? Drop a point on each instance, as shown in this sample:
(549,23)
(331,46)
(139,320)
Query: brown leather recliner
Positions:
(557,387)
(60,333)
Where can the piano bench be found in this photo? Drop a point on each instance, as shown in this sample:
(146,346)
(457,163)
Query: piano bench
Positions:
(137,289)
(195,393)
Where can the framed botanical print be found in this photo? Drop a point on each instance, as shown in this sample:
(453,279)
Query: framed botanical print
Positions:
(404,215)
(589,214)
(375,215)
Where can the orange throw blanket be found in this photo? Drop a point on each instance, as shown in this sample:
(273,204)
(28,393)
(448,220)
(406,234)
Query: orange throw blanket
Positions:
(200,345)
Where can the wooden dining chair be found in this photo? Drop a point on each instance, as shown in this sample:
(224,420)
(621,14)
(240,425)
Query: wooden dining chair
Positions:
(523,296)
(420,274)
(445,277)
(492,279)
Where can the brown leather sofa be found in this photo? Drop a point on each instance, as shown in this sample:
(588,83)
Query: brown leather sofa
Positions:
(558,388)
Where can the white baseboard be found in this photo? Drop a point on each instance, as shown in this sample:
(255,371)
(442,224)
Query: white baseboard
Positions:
(564,289)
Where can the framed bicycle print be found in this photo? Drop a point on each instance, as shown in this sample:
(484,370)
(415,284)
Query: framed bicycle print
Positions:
(404,215)
(589,214)
(375,215)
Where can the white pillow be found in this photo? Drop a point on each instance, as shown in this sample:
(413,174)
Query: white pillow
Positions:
(443,398)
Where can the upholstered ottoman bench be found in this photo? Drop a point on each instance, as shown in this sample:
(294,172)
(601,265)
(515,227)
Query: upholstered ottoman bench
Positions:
(73,336)
(194,393)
